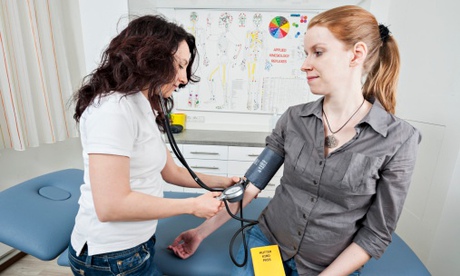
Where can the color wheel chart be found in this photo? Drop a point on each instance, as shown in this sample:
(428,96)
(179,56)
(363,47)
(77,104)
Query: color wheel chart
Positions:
(279,27)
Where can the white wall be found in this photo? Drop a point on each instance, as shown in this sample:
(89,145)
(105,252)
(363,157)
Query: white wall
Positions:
(101,21)
(429,96)
(445,252)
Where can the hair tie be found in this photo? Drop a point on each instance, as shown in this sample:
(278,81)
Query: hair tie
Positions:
(384,33)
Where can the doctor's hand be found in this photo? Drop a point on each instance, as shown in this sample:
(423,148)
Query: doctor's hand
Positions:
(186,243)
(234,180)
(206,205)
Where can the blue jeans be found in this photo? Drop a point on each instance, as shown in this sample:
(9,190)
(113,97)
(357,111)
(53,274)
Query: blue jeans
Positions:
(255,238)
(136,261)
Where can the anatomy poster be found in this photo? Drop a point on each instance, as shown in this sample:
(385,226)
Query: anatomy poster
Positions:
(247,61)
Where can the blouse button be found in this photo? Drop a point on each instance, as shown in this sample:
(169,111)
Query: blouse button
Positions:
(304,216)
(312,199)
(315,182)
(320,163)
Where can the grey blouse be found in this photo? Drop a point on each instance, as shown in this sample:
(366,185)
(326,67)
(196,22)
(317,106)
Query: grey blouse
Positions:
(355,194)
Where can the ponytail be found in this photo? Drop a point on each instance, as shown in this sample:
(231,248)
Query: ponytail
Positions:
(382,80)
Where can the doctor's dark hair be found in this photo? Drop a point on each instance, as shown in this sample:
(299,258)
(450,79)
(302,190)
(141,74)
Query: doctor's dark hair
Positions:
(352,24)
(139,57)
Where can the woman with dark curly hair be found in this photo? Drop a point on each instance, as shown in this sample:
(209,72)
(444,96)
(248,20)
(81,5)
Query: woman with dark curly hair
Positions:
(125,157)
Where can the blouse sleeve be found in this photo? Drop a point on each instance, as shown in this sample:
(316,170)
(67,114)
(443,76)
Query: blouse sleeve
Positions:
(275,141)
(392,187)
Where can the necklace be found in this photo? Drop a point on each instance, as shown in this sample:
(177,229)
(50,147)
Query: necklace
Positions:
(331,141)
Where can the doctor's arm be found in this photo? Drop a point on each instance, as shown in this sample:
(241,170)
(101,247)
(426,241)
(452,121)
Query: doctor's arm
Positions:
(180,176)
(187,242)
(114,200)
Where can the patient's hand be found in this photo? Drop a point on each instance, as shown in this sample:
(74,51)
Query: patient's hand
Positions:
(186,243)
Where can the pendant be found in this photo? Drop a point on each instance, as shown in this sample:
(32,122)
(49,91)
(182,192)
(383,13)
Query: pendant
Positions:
(331,141)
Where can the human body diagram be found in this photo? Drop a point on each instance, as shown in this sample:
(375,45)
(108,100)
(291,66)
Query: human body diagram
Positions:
(200,37)
(228,50)
(253,63)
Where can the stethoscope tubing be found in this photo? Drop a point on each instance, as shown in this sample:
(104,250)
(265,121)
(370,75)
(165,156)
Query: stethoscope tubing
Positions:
(242,220)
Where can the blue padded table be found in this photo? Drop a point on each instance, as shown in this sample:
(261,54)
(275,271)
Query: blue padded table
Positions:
(212,257)
(37,216)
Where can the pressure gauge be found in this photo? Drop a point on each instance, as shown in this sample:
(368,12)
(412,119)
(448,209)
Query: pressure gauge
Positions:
(233,194)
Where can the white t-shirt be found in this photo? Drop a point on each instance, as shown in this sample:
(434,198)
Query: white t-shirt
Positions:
(121,125)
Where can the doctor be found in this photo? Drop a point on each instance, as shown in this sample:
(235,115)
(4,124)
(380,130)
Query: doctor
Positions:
(125,158)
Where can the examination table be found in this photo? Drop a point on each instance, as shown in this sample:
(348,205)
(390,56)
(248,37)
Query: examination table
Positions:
(37,217)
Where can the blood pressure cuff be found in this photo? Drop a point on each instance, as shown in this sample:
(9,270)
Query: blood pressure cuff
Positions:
(264,168)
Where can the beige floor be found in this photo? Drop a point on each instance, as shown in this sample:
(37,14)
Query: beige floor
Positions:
(31,266)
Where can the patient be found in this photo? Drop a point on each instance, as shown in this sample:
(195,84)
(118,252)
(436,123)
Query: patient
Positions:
(125,157)
(347,173)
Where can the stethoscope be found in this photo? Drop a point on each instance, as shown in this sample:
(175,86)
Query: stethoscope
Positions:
(231,194)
